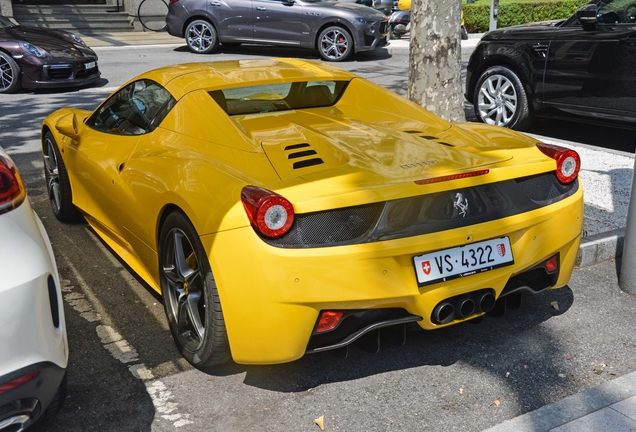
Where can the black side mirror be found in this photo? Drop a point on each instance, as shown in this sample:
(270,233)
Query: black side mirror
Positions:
(587,15)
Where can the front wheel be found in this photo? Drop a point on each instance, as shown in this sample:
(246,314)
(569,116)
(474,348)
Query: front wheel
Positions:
(10,74)
(190,296)
(335,44)
(201,37)
(500,99)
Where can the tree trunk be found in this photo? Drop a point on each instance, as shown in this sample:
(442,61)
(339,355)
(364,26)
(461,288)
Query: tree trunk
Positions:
(435,58)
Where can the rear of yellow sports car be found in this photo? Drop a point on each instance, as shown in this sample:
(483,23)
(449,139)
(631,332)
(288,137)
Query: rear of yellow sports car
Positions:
(330,209)
(394,221)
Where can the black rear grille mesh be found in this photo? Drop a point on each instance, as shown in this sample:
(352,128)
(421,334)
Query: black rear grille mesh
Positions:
(425,213)
(330,227)
(544,189)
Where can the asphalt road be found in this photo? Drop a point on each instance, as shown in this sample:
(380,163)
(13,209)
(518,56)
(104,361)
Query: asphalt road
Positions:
(125,373)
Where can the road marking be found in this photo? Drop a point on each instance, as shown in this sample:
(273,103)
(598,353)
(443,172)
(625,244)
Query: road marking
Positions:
(87,304)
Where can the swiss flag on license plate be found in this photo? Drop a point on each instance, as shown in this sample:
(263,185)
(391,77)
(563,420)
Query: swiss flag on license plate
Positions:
(426,267)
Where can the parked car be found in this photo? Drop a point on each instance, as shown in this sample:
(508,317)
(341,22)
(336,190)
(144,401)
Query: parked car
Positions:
(384,4)
(578,69)
(336,29)
(36,58)
(286,207)
(398,23)
(33,346)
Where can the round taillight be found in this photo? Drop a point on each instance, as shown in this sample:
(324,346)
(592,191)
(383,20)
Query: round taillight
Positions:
(568,161)
(12,192)
(269,213)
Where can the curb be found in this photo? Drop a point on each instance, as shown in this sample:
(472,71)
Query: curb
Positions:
(600,248)
(573,407)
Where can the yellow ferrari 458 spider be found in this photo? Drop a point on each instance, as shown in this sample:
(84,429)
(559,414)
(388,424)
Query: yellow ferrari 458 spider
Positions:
(285,207)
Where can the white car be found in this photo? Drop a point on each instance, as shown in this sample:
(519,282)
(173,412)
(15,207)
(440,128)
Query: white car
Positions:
(33,344)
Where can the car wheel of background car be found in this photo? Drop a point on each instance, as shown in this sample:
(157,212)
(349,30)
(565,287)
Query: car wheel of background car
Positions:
(10,74)
(464,33)
(500,99)
(190,297)
(57,183)
(335,44)
(394,34)
(201,37)
(629,13)
(58,401)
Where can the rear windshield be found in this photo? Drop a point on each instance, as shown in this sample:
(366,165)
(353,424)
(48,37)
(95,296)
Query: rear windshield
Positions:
(279,97)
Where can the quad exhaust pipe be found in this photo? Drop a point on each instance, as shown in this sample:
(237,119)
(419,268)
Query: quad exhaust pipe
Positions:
(463,306)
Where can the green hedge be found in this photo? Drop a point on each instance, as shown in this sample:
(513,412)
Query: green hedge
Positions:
(477,17)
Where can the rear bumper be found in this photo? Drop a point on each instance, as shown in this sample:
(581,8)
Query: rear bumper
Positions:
(25,404)
(272,297)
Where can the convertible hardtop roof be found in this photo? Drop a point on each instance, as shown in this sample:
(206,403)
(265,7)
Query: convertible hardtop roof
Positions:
(184,78)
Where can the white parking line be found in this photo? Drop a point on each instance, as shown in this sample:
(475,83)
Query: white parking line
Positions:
(87,304)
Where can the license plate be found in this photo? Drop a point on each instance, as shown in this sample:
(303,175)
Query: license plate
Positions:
(463,261)
(90,65)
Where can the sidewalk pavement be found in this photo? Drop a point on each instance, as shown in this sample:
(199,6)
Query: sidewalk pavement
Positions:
(606,178)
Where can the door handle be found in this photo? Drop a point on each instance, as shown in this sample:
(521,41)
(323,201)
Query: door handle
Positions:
(260,8)
(214,3)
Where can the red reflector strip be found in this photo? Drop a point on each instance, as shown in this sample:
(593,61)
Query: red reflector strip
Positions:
(18,382)
(328,321)
(451,177)
(552,264)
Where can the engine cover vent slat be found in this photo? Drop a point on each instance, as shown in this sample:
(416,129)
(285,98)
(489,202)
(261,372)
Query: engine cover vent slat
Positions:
(296,146)
(301,154)
(308,163)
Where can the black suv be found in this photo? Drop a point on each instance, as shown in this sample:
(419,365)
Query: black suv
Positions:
(582,68)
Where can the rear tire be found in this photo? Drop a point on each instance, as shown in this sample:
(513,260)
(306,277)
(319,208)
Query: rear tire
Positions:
(58,186)
(190,297)
(58,401)
(10,74)
(500,99)
(201,37)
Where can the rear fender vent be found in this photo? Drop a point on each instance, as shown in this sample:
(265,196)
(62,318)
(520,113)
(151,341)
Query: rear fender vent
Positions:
(304,153)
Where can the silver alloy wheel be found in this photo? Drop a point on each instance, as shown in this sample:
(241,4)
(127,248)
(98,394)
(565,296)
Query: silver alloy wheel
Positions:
(52,176)
(185,294)
(497,102)
(200,37)
(7,75)
(334,44)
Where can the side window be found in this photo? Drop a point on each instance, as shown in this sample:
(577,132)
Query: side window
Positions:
(617,12)
(134,110)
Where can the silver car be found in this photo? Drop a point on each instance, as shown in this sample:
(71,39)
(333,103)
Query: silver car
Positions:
(335,29)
